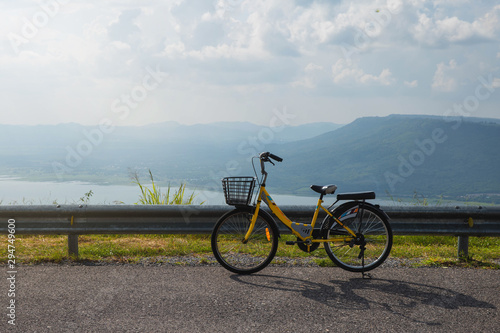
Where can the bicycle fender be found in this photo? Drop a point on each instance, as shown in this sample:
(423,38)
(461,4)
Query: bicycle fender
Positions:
(345,206)
(350,204)
(379,210)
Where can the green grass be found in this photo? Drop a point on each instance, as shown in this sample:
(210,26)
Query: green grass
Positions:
(49,248)
(426,250)
(442,250)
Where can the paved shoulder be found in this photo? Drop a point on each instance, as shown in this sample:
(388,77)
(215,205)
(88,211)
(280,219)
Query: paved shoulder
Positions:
(302,299)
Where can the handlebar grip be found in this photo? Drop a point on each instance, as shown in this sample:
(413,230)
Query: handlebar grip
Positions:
(276,158)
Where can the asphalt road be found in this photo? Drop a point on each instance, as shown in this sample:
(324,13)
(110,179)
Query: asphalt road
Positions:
(62,298)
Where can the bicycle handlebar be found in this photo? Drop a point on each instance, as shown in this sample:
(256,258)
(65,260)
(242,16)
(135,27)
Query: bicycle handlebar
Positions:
(265,157)
(276,158)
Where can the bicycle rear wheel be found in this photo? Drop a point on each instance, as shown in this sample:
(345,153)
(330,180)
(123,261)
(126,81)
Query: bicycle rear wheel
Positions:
(248,257)
(371,246)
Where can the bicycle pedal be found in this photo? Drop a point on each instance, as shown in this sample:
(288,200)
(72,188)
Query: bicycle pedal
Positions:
(290,243)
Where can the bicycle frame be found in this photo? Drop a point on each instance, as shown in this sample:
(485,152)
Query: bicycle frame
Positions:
(303,231)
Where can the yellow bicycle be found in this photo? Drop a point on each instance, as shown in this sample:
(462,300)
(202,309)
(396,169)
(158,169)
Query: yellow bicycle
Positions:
(356,235)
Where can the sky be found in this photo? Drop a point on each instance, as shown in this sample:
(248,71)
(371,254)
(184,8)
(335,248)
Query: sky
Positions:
(263,61)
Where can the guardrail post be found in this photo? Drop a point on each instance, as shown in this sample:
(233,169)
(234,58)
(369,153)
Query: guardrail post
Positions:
(463,247)
(73,245)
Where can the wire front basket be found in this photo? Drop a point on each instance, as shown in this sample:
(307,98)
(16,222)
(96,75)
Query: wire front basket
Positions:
(238,190)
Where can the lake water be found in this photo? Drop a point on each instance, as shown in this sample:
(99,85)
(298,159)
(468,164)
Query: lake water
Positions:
(19,192)
(14,191)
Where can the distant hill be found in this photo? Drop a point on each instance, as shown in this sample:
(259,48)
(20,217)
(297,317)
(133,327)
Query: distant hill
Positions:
(397,154)
(400,155)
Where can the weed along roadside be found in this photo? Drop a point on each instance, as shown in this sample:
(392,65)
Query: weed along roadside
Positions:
(155,196)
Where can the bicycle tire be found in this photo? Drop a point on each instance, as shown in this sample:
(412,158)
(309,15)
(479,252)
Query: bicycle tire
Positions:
(249,257)
(375,230)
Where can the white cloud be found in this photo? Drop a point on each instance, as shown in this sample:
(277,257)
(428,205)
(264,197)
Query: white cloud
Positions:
(121,46)
(311,67)
(174,50)
(435,31)
(306,82)
(443,77)
(346,71)
(412,84)
(312,72)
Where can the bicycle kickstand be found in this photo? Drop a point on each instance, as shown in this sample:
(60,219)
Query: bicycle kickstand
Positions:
(362,257)
(363,248)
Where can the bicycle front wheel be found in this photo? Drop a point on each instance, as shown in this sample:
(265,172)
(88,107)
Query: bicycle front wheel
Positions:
(244,257)
(370,247)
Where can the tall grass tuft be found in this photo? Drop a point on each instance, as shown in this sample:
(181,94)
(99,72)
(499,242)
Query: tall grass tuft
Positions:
(154,195)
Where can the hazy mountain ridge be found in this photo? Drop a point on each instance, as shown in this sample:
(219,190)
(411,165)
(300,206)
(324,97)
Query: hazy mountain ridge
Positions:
(395,154)
(167,146)
(401,154)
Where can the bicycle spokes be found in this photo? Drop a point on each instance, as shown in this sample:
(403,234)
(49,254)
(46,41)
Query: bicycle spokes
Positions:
(371,245)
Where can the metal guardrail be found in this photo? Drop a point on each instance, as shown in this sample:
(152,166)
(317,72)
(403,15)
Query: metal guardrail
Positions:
(137,219)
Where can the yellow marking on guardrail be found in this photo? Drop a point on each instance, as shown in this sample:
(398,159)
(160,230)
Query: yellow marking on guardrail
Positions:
(72,219)
(471,222)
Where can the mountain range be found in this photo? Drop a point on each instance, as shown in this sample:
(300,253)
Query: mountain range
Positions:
(396,155)
(401,155)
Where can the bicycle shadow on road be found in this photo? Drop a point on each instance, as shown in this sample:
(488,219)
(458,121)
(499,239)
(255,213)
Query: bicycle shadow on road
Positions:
(400,298)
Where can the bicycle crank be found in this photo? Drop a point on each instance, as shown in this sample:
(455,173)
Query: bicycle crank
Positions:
(307,247)
(304,246)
